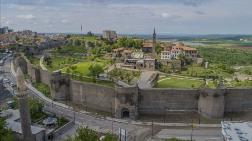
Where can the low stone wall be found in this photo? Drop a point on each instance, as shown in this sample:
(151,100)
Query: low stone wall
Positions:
(63,129)
(159,101)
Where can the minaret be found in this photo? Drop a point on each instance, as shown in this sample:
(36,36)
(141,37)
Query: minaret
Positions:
(23,106)
(154,37)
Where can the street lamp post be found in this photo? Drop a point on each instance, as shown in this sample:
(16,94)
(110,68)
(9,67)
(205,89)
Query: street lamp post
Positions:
(152,132)
(192,131)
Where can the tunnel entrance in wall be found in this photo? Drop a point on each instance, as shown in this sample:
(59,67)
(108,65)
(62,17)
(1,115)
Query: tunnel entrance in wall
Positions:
(125,113)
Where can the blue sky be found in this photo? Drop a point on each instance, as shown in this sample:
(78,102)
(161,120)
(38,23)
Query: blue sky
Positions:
(130,16)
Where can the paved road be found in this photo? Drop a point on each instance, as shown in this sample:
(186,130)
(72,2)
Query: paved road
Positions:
(146,79)
(188,134)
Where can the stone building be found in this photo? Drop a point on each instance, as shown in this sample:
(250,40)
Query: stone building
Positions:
(109,35)
(172,52)
(150,46)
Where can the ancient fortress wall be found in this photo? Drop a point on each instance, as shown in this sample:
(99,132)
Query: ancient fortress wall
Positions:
(45,76)
(159,101)
(132,101)
(237,100)
(93,96)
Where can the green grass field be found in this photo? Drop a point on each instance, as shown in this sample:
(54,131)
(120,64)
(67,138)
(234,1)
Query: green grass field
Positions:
(83,67)
(241,84)
(172,82)
(81,72)
(201,72)
(61,62)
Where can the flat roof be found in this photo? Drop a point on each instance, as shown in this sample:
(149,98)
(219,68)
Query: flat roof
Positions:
(237,131)
(14,125)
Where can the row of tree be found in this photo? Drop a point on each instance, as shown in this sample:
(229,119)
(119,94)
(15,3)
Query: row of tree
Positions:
(86,134)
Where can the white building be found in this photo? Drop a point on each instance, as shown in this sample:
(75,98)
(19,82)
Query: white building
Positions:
(166,55)
(173,52)
(236,131)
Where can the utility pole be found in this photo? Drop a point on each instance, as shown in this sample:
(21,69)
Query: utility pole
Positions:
(192,131)
(152,132)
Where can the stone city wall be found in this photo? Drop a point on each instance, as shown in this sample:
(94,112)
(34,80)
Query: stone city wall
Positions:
(132,101)
(237,100)
(93,96)
(159,101)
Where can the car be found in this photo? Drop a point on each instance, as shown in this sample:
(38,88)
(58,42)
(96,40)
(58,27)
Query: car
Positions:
(12,84)
(5,80)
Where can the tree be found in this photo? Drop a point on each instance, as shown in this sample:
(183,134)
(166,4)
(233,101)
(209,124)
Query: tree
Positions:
(48,61)
(77,42)
(95,70)
(84,134)
(129,77)
(90,33)
(35,108)
(158,49)
(110,137)
(5,133)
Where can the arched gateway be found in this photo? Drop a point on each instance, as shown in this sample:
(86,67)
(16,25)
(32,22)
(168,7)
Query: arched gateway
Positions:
(125,113)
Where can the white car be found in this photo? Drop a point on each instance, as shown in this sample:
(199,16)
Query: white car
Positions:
(5,80)
(12,84)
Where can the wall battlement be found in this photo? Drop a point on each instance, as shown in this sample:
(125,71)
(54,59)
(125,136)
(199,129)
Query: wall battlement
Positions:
(132,102)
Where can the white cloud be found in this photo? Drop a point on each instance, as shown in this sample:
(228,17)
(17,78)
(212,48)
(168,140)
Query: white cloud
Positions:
(165,15)
(64,21)
(26,17)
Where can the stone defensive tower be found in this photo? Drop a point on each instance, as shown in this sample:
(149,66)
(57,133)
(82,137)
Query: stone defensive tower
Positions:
(23,106)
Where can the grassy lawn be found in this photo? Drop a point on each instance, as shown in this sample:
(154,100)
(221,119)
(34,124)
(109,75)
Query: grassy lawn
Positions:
(83,67)
(172,82)
(199,71)
(241,84)
(43,88)
(61,62)
(81,71)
